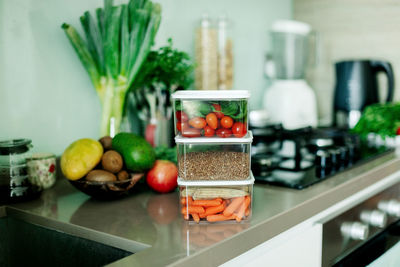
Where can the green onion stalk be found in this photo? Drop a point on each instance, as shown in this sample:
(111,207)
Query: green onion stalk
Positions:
(117,42)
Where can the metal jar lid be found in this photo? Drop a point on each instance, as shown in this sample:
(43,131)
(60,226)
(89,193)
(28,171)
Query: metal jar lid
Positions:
(15,146)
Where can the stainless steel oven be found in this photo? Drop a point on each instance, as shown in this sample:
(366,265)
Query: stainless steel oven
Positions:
(367,234)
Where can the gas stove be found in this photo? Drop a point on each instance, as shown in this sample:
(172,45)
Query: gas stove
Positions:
(302,157)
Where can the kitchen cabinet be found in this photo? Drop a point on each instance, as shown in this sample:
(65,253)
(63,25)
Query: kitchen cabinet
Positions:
(299,246)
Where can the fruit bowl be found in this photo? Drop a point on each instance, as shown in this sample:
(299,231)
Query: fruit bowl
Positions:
(107,190)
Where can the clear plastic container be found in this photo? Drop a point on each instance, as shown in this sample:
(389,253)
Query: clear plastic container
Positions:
(221,113)
(216,201)
(214,159)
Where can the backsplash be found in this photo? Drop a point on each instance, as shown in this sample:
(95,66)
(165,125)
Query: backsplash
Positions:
(350,29)
(45,93)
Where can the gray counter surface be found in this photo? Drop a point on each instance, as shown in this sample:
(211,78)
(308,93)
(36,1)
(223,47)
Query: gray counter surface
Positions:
(150,224)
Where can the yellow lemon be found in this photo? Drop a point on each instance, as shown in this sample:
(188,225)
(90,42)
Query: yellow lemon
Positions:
(80,157)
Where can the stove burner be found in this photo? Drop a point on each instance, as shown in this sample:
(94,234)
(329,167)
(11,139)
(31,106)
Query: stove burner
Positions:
(299,158)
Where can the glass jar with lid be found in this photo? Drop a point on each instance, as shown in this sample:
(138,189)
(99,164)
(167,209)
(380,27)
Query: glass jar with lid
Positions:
(14,183)
(225,53)
(206,73)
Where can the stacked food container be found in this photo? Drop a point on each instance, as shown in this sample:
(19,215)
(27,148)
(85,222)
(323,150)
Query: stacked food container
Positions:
(213,144)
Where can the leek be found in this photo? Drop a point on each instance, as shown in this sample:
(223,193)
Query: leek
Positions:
(116,43)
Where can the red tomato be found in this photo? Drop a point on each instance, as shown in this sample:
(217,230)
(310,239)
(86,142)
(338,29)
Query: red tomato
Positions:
(190,132)
(197,122)
(224,132)
(218,108)
(238,129)
(179,126)
(227,122)
(181,116)
(163,176)
(149,133)
(398,131)
(212,120)
(208,131)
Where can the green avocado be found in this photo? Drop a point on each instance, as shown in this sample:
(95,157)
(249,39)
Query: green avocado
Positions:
(137,153)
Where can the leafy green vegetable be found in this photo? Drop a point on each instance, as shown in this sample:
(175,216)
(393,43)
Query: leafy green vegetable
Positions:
(165,153)
(195,108)
(113,51)
(168,66)
(382,119)
(234,109)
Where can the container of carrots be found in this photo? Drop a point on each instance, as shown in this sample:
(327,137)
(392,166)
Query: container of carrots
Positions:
(211,113)
(216,201)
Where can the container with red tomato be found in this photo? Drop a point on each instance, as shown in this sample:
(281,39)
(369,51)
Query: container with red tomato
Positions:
(216,201)
(215,159)
(208,114)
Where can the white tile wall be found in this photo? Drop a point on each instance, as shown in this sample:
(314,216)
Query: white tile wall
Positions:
(350,29)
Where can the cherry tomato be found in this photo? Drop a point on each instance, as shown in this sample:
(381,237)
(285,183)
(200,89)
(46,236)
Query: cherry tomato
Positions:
(181,116)
(224,132)
(212,120)
(218,111)
(398,131)
(226,122)
(190,132)
(208,131)
(181,125)
(239,129)
(197,122)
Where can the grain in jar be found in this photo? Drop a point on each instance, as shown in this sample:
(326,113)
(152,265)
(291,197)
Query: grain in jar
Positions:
(225,54)
(206,56)
(214,159)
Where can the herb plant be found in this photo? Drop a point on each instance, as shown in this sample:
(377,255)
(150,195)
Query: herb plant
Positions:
(382,119)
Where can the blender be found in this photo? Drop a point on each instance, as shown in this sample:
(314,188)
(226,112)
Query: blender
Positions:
(290,100)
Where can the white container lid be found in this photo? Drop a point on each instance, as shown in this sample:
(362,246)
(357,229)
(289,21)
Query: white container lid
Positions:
(211,94)
(291,26)
(215,140)
(248,181)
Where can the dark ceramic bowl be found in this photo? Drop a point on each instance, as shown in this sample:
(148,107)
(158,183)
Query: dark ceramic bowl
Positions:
(107,190)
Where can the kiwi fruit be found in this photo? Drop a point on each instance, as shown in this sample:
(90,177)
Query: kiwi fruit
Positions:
(100,176)
(112,161)
(123,175)
(106,142)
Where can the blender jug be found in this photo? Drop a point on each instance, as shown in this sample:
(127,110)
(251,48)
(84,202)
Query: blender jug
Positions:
(290,100)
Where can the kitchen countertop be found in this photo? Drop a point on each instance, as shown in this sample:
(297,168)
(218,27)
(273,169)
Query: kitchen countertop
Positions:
(150,224)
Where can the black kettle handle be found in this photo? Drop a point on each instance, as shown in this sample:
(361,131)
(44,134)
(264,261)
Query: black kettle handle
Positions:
(387,68)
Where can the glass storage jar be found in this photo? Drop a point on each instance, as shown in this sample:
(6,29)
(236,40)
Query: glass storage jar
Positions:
(14,183)
(225,54)
(206,74)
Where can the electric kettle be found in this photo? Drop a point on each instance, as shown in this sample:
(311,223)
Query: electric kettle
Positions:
(357,87)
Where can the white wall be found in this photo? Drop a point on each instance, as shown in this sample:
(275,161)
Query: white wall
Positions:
(45,93)
(350,29)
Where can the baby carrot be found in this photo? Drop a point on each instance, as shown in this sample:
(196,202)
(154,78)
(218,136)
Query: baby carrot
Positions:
(247,213)
(214,210)
(219,218)
(242,209)
(196,217)
(192,209)
(186,200)
(202,215)
(206,202)
(236,202)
